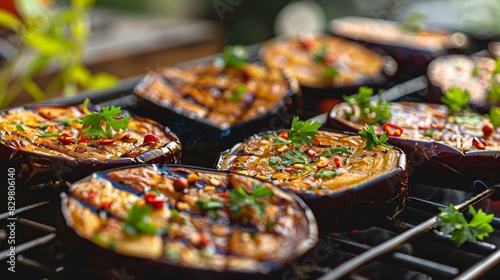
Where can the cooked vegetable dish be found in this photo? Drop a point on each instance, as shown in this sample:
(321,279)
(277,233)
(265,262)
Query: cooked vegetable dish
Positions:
(322,60)
(463,130)
(191,217)
(221,96)
(61,131)
(333,162)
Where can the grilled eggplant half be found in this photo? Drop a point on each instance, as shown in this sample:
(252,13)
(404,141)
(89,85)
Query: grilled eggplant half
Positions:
(443,147)
(334,174)
(190,218)
(49,144)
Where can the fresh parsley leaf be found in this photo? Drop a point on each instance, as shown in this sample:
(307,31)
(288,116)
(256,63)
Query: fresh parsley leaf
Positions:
(109,117)
(239,198)
(495,116)
(451,221)
(336,150)
(137,221)
(369,111)
(302,132)
(322,173)
(236,95)
(414,23)
(372,141)
(456,99)
(294,156)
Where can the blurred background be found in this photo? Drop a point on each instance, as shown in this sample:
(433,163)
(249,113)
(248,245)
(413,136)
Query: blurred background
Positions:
(127,38)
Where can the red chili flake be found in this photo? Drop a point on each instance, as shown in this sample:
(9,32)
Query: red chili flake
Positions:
(479,143)
(158,203)
(107,141)
(106,204)
(284,135)
(150,197)
(67,139)
(224,195)
(84,140)
(311,153)
(92,195)
(234,166)
(289,169)
(204,240)
(316,140)
(488,129)
(337,162)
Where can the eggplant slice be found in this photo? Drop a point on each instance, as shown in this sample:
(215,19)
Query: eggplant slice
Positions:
(209,107)
(189,219)
(343,184)
(44,145)
(444,149)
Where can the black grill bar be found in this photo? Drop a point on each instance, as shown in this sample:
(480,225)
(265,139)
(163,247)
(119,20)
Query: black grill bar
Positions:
(397,241)
(480,268)
(22,209)
(28,245)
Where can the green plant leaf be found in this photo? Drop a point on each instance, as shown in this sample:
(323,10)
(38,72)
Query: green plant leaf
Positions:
(372,140)
(102,80)
(43,43)
(83,4)
(456,99)
(33,89)
(495,116)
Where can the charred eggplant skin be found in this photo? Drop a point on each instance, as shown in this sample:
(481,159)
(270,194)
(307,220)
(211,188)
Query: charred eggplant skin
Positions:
(38,171)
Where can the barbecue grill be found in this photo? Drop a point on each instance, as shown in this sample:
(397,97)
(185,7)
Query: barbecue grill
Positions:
(406,247)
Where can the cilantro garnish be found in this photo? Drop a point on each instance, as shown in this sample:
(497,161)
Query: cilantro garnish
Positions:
(372,141)
(369,111)
(495,116)
(137,221)
(451,221)
(320,55)
(236,94)
(336,150)
(48,134)
(456,99)
(322,173)
(302,132)
(274,161)
(414,22)
(330,73)
(240,199)
(294,156)
(110,117)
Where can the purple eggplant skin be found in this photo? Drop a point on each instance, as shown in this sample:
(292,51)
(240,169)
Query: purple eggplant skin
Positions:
(203,141)
(34,171)
(357,207)
(154,268)
(432,162)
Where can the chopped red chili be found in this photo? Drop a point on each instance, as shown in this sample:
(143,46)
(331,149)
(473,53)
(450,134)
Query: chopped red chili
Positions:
(488,129)
(151,138)
(479,143)
(289,169)
(84,140)
(106,204)
(92,195)
(392,130)
(67,139)
(337,162)
(284,135)
(234,166)
(107,141)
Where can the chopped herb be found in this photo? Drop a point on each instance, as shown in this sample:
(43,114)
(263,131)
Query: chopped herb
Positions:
(320,55)
(212,215)
(21,127)
(456,99)
(209,204)
(274,161)
(429,132)
(330,73)
(48,134)
(67,121)
(110,117)
(302,132)
(137,221)
(175,214)
(266,136)
(451,221)
(43,126)
(233,56)
(372,141)
(240,199)
(494,93)
(495,116)
(294,156)
(322,173)
(278,140)
(337,151)
(236,95)
(369,111)
(414,22)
